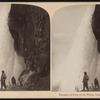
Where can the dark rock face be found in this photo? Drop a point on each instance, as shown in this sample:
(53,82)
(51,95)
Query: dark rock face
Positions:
(96,24)
(30,28)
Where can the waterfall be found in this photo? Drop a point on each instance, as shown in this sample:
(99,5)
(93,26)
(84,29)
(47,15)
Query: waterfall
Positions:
(10,62)
(83,56)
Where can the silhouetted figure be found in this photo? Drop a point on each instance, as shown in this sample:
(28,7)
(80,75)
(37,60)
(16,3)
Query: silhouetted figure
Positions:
(9,84)
(90,88)
(13,80)
(96,83)
(3,78)
(85,81)
(92,85)
(76,89)
(20,80)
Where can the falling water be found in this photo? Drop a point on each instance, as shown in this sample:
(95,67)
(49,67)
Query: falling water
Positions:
(83,56)
(10,62)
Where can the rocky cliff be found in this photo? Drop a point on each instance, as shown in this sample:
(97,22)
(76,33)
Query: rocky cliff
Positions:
(30,29)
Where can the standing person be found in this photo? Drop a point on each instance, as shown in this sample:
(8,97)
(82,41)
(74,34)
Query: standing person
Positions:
(92,85)
(13,80)
(96,83)
(3,79)
(20,81)
(9,84)
(85,81)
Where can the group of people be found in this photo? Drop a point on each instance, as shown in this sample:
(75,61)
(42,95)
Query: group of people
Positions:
(85,82)
(3,80)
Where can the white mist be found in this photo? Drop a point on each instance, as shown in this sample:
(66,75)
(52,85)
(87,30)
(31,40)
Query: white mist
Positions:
(82,55)
(10,62)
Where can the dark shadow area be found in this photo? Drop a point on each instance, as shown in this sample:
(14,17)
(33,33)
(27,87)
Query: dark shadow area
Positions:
(96,25)
(30,29)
